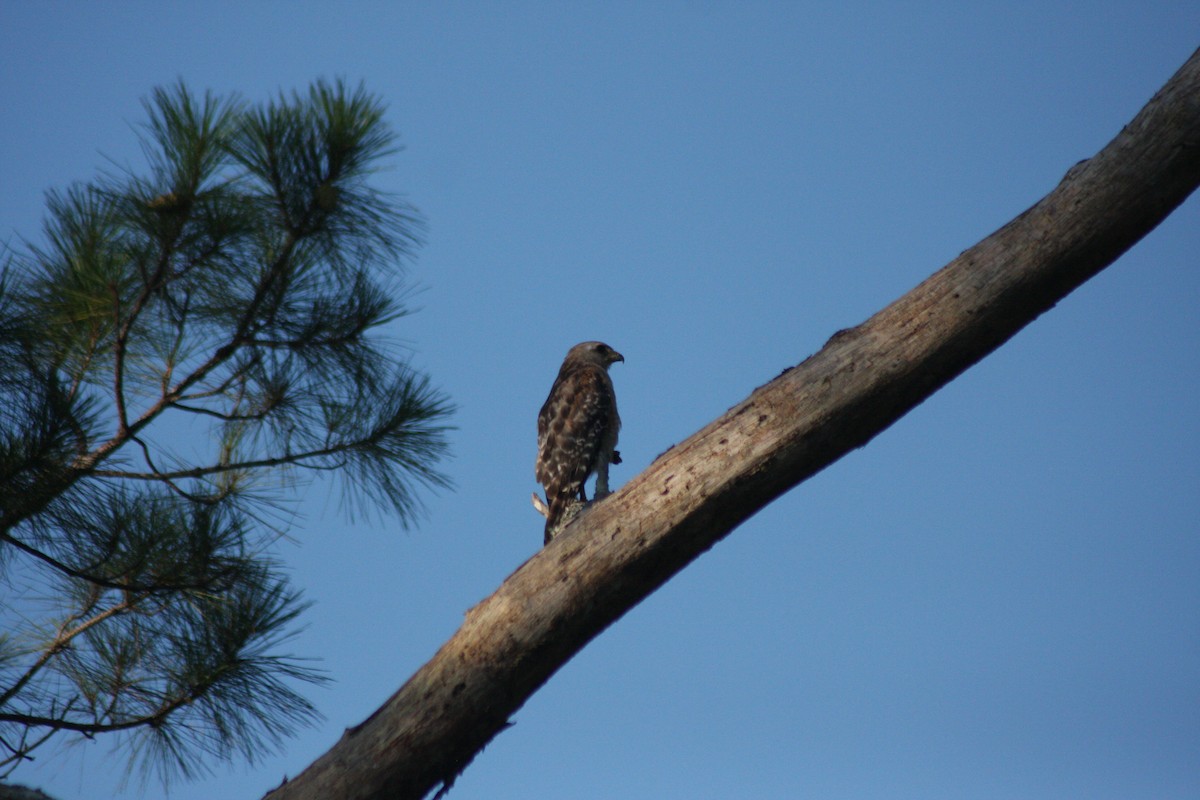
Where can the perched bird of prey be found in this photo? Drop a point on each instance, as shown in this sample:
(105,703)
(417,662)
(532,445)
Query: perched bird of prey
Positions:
(577,429)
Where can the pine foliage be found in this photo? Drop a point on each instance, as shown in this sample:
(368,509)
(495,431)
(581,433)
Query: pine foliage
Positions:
(180,349)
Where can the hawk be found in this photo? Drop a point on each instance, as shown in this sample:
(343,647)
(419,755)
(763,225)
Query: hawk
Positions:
(577,429)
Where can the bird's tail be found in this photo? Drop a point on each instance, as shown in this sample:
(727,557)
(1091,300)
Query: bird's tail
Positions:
(556,506)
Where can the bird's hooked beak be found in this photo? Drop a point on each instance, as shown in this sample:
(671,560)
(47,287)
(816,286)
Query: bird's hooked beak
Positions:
(614,357)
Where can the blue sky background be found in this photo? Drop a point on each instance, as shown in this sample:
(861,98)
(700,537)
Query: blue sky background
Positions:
(996,598)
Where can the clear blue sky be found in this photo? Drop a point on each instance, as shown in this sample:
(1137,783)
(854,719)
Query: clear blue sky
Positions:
(999,597)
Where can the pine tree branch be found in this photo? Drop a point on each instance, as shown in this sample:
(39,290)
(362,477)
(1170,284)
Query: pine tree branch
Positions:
(250,302)
(167,480)
(241,334)
(119,362)
(217,390)
(93,728)
(237,466)
(86,465)
(863,380)
(221,415)
(20,752)
(61,641)
(123,325)
(101,581)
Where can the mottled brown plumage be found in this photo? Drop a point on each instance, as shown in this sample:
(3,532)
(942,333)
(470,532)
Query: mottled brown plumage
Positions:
(577,429)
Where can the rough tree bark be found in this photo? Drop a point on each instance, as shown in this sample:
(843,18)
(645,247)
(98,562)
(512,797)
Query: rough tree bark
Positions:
(863,380)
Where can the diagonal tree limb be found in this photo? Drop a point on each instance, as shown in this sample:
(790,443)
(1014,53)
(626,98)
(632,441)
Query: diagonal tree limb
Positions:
(862,381)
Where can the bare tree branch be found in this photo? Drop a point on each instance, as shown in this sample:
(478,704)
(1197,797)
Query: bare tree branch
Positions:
(862,381)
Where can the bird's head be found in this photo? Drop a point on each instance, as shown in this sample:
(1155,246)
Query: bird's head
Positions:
(595,353)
